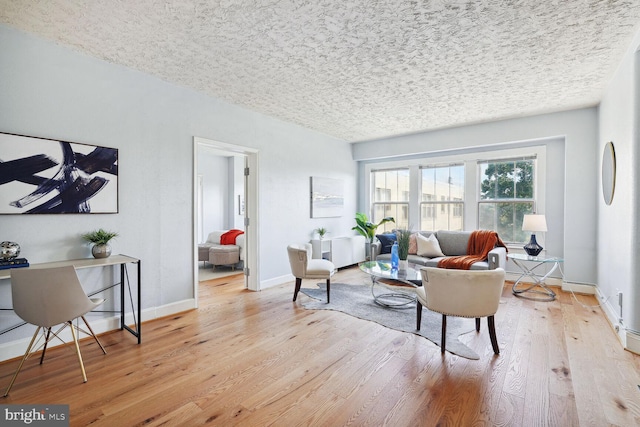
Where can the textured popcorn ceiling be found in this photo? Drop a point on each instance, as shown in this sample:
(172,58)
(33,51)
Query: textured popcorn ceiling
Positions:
(357,69)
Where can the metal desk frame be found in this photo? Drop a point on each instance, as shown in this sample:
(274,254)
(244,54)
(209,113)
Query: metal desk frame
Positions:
(113,260)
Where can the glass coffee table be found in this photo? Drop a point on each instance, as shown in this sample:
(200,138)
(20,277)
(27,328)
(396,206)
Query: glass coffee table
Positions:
(393,288)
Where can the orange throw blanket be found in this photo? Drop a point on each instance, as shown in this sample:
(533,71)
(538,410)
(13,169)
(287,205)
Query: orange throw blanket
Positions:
(229,238)
(480,244)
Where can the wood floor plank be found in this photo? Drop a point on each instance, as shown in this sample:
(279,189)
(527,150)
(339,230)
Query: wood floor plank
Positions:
(581,362)
(259,359)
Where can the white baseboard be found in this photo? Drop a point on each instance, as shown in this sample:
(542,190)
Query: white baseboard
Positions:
(580,288)
(276,281)
(12,349)
(630,340)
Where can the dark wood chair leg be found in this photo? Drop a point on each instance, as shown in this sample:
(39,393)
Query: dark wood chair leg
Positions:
(477,324)
(443,339)
(298,285)
(492,334)
(46,341)
(328,290)
(418,315)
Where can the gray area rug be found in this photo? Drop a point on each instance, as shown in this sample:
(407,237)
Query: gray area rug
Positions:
(357,301)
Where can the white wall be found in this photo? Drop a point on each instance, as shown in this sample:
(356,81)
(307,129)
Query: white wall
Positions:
(53,92)
(236,179)
(215,195)
(618,225)
(572,172)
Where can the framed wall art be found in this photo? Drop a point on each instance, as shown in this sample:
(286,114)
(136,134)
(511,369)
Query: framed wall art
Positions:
(327,197)
(45,176)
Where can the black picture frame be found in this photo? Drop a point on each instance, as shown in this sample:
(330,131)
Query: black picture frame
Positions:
(47,176)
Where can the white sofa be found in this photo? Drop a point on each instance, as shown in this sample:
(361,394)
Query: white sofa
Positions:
(213,252)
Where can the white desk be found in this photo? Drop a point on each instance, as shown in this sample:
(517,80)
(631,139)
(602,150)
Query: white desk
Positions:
(113,260)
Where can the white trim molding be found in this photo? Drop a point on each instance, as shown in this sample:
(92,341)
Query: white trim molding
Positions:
(13,349)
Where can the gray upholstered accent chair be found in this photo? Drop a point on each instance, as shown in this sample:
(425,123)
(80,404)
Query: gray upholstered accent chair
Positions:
(47,297)
(304,267)
(461,293)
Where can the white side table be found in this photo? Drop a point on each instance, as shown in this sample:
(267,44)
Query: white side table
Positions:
(523,261)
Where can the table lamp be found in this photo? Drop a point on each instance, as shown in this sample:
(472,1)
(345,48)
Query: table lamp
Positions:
(533,223)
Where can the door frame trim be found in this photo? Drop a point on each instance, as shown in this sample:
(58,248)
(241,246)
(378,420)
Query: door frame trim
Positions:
(251,209)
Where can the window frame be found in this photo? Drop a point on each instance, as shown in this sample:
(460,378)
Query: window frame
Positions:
(513,200)
(472,182)
(399,204)
(444,205)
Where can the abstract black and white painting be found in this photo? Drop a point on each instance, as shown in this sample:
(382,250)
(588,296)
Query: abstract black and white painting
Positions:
(327,197)
(45,176)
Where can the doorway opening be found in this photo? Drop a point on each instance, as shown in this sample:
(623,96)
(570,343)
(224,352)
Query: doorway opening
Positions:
(218,164)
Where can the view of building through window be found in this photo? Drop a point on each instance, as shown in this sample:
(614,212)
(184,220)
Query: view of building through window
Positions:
(506,191)
(442,198)
(506,194)
(390,198)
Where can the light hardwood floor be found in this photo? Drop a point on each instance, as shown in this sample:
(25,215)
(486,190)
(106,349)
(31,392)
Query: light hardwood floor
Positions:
(258,359)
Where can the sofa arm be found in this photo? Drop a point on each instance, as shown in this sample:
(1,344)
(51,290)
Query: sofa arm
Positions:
(497,258)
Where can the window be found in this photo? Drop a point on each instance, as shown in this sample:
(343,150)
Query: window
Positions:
(391,189)
(484,189)
(442,197)
(506,194)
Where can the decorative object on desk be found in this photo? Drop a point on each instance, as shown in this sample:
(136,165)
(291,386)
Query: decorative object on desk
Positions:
(9,250)
(533,223)
(14,263)
(321,232)
(44,176)
(608,172)
(100,239)
(368,229)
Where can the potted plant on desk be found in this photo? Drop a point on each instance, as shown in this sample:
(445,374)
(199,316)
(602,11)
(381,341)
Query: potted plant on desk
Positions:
(100,239)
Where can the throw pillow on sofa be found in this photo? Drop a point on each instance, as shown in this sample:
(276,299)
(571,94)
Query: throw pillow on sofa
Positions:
(386,241)
(428,246)
(413,244)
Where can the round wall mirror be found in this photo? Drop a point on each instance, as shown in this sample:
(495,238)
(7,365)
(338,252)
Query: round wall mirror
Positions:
(608,172)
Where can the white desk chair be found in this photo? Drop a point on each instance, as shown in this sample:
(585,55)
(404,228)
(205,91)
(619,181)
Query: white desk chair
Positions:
(47,297)
(304,267)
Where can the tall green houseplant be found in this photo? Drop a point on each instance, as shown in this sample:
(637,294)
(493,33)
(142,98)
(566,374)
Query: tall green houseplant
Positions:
(368,229)
(403,237)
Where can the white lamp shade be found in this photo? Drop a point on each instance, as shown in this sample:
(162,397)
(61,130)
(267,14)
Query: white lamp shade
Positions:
(534,223)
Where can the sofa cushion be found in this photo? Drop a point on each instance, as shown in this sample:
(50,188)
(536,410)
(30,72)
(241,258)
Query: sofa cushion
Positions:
(454,243)
(386,242)
(413,244)
(214,237)
(428,246)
